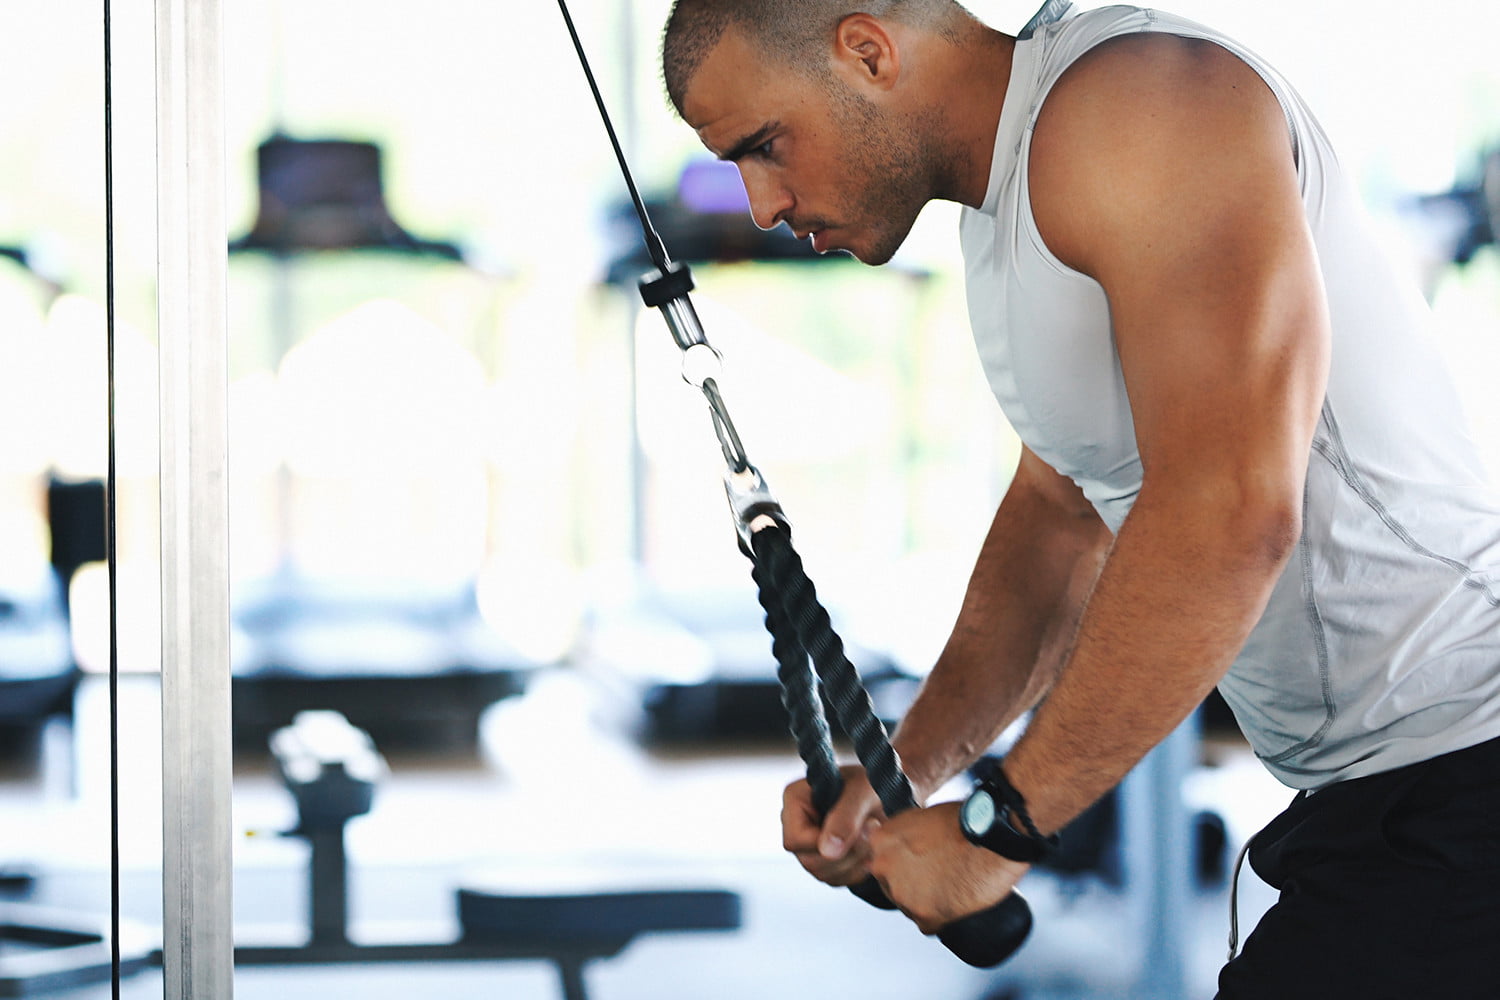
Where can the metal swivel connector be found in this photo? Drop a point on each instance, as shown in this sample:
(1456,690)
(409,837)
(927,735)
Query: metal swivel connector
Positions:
(753,506)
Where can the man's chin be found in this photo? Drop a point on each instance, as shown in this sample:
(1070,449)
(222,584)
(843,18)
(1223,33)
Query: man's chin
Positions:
(872,247)
(873,256)
(876,248)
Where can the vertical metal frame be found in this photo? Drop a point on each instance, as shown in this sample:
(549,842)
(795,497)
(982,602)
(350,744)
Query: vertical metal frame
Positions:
(192,266)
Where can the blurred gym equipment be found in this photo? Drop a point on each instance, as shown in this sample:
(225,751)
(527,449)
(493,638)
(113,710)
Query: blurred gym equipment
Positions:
(326,194)
(44,949)
(332,770)
(402,659)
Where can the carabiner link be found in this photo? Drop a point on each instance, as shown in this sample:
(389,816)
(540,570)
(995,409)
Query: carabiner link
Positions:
(666,290)
(729,438)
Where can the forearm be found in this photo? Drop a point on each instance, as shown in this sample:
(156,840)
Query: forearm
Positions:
(1174,603)
(1019,614)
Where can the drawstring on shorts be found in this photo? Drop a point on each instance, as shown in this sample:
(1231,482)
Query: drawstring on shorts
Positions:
(1234,902)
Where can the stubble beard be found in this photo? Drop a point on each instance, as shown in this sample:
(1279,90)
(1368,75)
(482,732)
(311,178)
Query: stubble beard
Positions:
(888,182)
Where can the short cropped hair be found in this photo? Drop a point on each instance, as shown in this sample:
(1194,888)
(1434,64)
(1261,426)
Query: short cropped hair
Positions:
(794,32)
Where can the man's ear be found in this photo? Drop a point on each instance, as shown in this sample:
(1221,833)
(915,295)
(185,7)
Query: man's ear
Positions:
(866,50)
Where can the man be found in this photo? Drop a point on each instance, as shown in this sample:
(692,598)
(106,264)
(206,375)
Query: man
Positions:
(1243,465)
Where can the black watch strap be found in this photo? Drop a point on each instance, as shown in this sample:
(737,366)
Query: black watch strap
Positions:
(1009,831)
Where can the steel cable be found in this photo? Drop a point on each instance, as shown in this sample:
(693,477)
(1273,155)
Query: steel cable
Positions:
(110,483)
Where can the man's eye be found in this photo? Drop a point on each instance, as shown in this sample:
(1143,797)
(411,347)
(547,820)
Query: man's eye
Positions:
(764,149)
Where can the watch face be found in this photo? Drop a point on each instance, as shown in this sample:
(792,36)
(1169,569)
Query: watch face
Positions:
(978,813)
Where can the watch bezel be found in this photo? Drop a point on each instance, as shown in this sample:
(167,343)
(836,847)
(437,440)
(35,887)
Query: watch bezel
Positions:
(972,829)
(1003,835)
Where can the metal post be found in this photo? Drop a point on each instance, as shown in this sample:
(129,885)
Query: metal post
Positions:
(570,975)
(328,887)
(192,267)
(1158,840)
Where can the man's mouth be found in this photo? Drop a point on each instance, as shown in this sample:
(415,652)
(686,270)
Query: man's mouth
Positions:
(806,232)
(820,239)
(817,234)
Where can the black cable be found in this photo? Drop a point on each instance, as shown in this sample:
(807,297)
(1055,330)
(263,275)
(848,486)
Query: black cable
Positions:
(110,520)
(654,245)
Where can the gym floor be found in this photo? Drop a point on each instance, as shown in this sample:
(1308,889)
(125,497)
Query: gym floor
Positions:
(552,795)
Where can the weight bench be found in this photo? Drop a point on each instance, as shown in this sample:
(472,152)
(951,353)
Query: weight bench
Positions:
(42,950)
(331,768)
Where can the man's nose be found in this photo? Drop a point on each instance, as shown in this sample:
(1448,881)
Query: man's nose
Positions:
(769,201)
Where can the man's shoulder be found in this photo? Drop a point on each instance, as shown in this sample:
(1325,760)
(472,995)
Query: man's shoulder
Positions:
(1138,117)
(1127,85)
(1149,62)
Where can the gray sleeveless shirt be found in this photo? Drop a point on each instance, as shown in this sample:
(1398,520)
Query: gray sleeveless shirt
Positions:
(1380,645)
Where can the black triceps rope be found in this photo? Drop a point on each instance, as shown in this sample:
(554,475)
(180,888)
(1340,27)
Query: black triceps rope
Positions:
(798,624)
(800,628)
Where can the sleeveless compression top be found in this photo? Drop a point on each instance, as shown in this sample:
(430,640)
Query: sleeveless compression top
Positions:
(1380,645)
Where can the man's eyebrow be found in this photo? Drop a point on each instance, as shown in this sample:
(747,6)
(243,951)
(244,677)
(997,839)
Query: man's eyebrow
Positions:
(750,142)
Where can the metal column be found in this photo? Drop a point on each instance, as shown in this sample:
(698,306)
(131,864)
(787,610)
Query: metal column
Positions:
(192,269)
(1158,838)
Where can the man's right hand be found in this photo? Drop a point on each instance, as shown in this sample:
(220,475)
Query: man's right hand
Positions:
(834,848)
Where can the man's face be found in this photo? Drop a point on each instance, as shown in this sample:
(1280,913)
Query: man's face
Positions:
(814,154)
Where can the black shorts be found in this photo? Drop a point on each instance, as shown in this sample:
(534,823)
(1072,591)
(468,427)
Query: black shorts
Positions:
(1390,889)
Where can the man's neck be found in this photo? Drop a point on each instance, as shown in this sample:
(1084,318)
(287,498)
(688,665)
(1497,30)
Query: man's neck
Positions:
(973,90)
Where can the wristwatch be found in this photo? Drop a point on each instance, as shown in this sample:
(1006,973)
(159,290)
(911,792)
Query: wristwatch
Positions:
(994,817)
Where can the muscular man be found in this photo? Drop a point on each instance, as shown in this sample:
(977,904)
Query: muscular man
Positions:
(1243,463)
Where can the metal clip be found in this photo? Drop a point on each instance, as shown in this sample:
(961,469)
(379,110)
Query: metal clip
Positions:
(729,438)
(749,499)
(751,503)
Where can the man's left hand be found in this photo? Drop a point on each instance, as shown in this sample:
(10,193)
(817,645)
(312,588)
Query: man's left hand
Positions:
(931,872)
